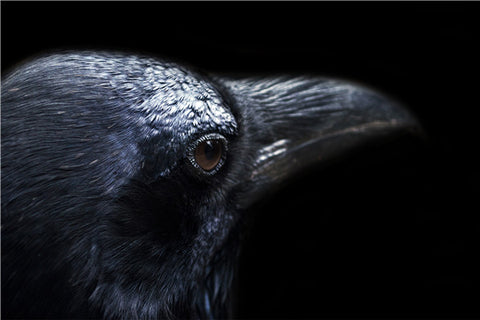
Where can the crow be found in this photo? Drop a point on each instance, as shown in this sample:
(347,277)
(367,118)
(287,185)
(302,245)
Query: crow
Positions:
(126,178)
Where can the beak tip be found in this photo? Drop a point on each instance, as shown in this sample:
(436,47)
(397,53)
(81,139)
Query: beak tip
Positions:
(395,116)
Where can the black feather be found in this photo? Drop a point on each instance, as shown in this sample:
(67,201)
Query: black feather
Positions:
(99,215)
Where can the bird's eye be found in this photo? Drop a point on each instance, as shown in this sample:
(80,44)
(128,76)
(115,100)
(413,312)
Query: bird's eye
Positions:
(208,153)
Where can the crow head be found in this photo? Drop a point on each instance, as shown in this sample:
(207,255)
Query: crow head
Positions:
(125,179)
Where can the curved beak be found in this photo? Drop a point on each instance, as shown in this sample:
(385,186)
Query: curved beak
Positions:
(295,123)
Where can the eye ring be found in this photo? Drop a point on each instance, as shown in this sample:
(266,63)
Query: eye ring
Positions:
(207,154)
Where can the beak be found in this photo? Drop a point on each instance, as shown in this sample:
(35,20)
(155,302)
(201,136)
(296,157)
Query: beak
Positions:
(297,123)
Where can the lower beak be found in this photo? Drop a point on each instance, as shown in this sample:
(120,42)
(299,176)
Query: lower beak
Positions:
(296,123)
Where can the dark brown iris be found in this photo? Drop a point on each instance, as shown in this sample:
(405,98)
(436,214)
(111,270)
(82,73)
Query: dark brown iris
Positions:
(208,154)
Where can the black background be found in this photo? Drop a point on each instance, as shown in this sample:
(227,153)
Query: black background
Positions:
(391,230)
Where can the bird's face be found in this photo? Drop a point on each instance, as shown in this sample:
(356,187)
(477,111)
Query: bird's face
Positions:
(138,192)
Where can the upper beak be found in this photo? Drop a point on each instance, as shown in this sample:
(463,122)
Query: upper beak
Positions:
(294,123)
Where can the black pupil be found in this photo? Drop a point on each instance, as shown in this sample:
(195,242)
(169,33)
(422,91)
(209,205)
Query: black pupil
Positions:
(212,149)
